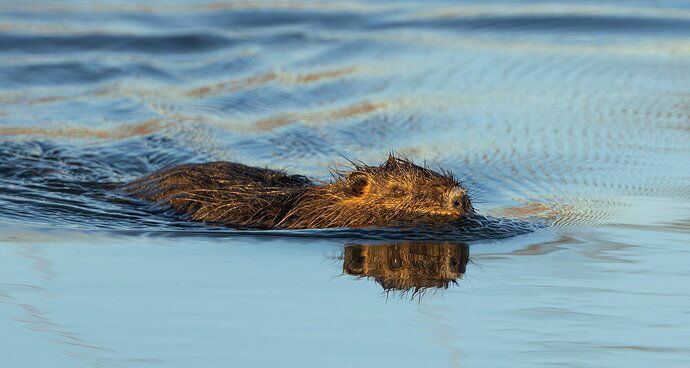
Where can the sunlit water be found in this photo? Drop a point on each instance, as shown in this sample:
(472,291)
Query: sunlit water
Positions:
(569,122)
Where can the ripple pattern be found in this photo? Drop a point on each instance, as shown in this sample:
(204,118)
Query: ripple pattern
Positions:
(574,114)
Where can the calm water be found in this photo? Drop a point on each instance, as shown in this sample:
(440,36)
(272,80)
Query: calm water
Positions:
(569,121)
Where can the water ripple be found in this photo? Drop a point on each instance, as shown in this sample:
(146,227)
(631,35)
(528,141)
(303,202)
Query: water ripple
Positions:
(183,43)
(539,106)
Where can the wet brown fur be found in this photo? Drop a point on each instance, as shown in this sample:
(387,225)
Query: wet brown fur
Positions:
(397,192)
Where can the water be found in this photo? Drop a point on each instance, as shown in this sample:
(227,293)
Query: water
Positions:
(569,121)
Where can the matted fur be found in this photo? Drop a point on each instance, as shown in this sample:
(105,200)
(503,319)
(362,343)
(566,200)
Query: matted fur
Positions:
(396,192)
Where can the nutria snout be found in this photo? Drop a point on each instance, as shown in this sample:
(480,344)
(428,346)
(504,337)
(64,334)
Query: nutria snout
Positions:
(395,193)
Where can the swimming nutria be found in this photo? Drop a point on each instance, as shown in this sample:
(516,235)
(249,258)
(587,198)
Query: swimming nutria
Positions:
(397,192)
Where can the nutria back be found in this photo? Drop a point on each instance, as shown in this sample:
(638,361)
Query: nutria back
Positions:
(223,192)
(396,192)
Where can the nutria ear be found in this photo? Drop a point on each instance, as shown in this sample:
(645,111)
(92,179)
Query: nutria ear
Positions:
(357,182)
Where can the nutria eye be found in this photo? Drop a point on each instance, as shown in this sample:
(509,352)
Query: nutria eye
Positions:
(457,202)
(398,192)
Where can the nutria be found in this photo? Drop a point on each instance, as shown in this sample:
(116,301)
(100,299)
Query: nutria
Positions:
(395,193)
(406,266)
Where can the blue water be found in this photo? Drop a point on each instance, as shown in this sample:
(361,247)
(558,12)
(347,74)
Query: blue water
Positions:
(568,121)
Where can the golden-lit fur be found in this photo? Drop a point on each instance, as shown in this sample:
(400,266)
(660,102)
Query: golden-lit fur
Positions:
(397,192)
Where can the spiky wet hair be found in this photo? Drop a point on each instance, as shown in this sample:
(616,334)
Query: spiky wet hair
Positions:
(396,166)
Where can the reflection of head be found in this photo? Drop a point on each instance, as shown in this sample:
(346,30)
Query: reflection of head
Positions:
(408,266)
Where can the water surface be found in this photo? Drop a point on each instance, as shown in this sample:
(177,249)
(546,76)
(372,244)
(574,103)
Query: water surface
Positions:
(568,121)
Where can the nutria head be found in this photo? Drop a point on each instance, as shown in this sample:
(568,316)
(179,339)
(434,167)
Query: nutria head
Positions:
(397,192)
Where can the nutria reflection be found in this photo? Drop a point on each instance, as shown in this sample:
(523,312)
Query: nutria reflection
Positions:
(396,192)
(408,266)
